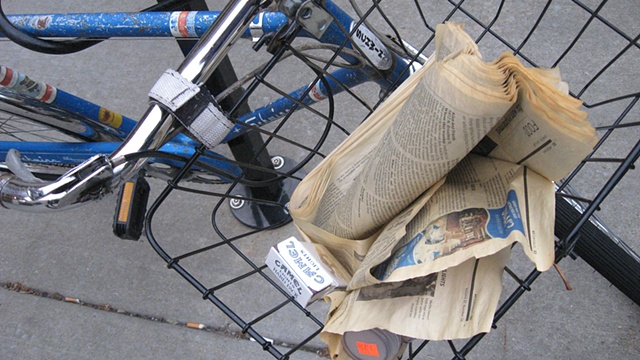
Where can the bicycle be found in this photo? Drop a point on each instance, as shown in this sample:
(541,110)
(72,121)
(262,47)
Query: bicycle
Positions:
(565,246)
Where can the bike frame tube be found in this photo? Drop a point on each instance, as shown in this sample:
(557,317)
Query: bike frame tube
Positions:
(179,24)
(280,107)
(25,87)
(105,25)
(74,153)
(188,24)
(65,153)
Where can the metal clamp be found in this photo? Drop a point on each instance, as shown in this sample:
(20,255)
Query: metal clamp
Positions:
(193,106)
(309,14)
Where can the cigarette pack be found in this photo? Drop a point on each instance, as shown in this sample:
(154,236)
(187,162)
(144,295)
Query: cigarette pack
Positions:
(307,271)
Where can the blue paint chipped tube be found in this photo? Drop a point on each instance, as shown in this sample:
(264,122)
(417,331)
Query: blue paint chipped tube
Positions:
(125,24)
(23,85)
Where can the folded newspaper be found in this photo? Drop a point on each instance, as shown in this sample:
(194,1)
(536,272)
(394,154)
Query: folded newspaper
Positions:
(422,203)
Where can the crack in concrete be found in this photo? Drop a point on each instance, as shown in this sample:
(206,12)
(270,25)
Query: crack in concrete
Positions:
(22,288)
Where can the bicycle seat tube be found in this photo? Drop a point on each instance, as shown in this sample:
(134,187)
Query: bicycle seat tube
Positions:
(101,174)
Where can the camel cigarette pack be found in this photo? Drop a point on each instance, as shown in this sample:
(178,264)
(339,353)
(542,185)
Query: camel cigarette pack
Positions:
(305,269)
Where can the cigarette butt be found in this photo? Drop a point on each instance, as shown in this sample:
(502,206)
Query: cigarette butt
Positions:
(72,300)
(267,339)
(195,325)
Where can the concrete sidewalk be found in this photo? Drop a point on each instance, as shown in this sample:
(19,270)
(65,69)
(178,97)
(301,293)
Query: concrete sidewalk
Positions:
(34,327)
(74,254)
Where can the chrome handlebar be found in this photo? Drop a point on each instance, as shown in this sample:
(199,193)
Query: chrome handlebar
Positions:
(83,183)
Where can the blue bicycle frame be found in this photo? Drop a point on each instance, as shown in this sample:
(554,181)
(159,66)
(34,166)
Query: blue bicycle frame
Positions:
(384,67)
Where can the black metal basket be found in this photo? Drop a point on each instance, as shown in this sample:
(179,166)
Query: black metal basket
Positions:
(598,59)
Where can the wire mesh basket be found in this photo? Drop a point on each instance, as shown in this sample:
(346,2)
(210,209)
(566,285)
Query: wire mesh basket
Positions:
(225,263)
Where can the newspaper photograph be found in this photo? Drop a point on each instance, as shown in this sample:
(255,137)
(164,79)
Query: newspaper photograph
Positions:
(484,206)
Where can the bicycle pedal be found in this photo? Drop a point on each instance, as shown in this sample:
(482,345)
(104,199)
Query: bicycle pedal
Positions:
(131,209)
